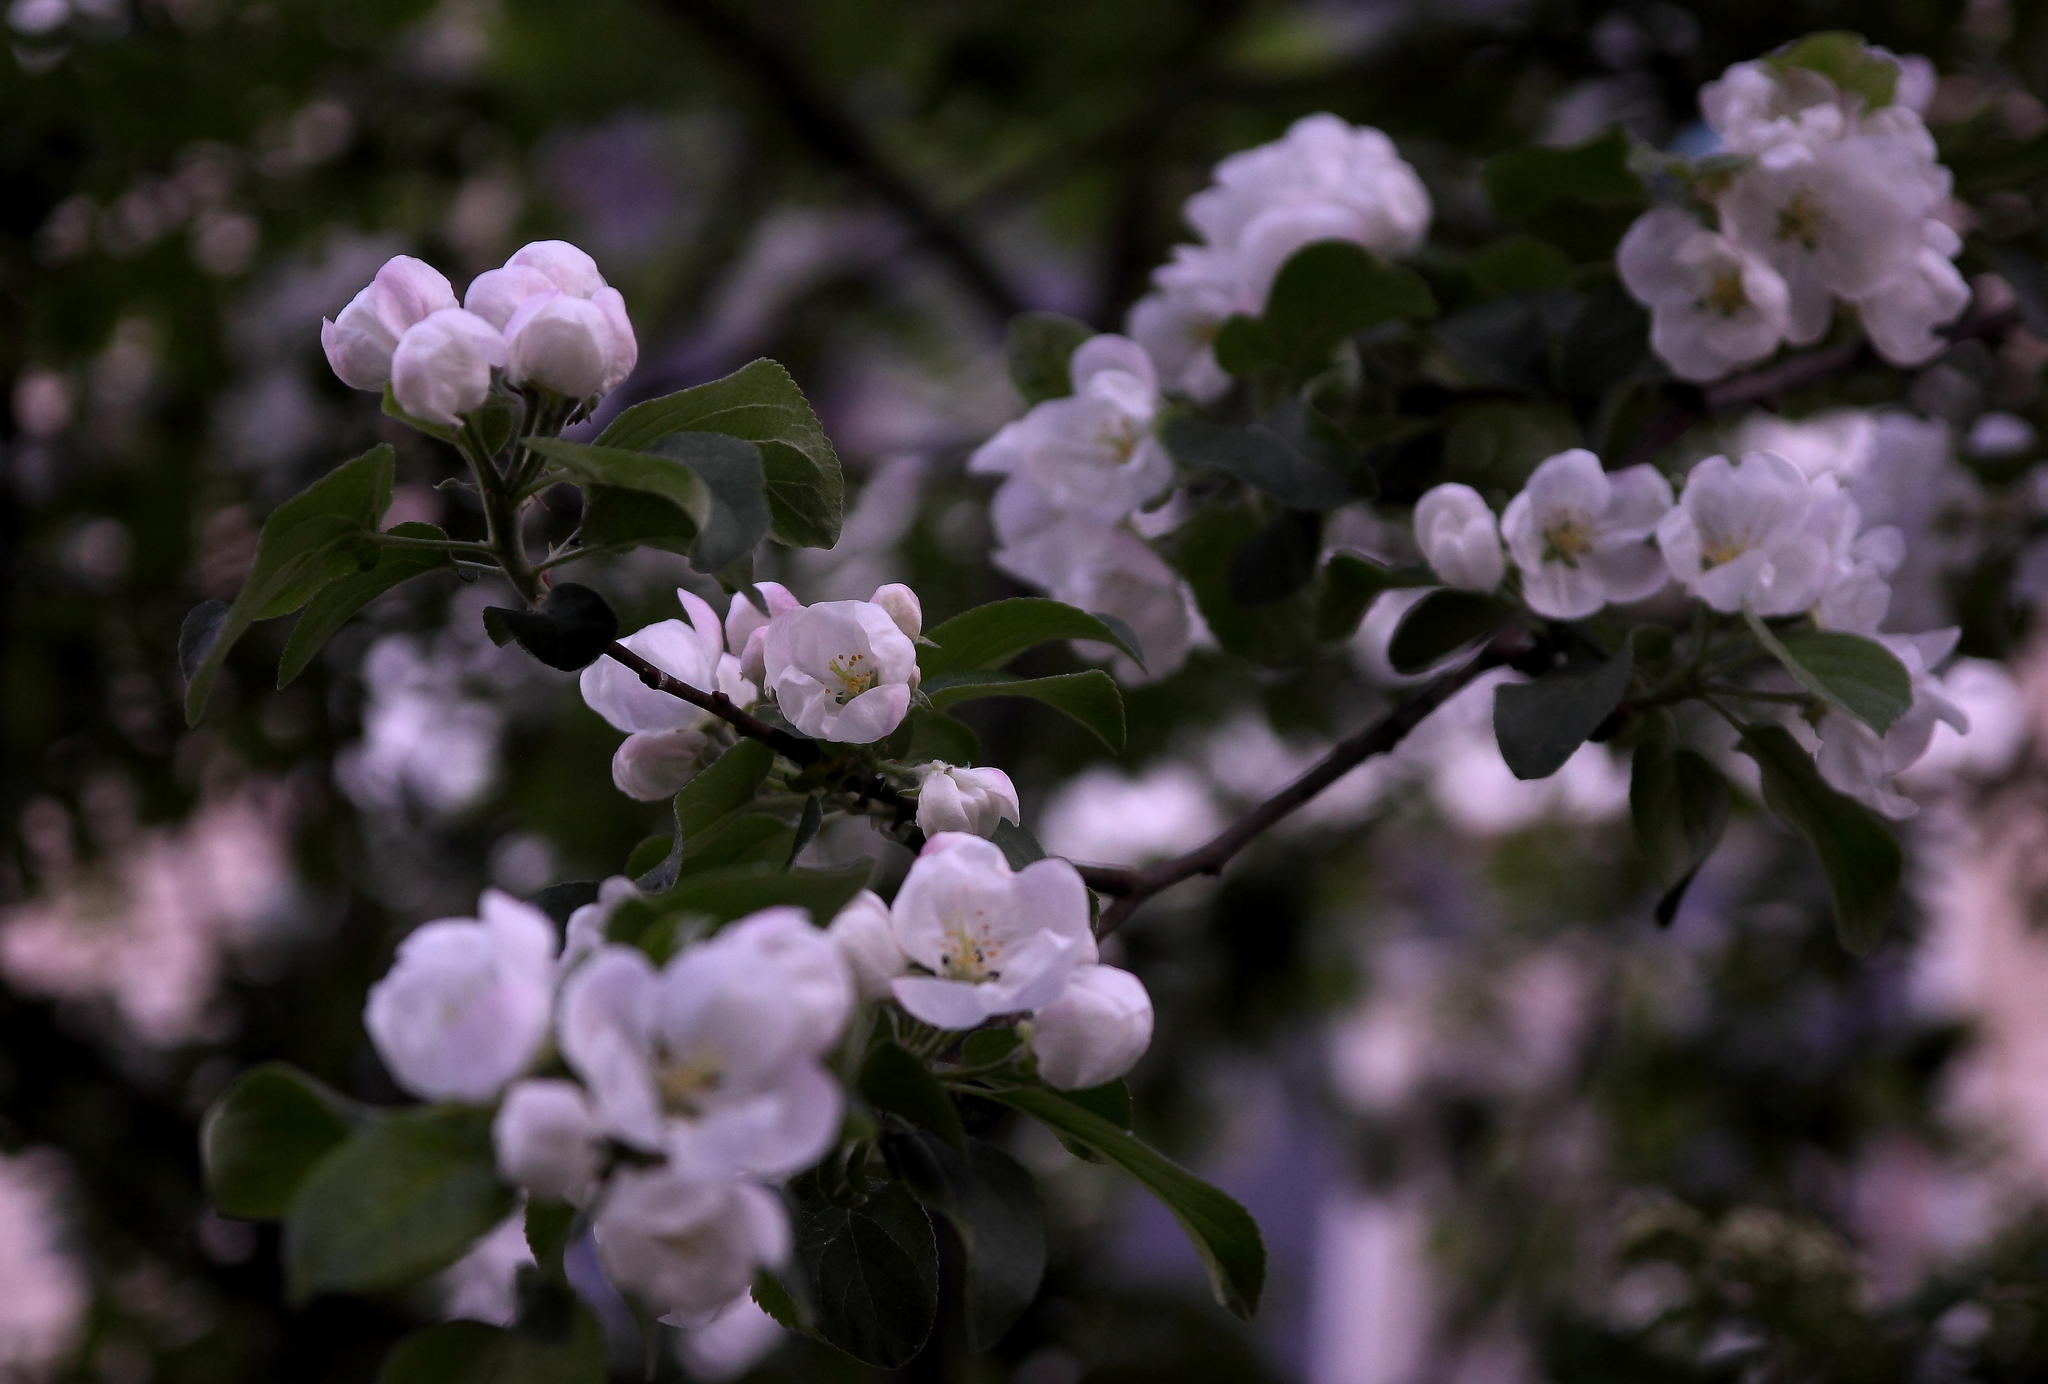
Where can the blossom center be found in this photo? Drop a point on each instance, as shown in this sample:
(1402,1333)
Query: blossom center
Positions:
(853,677)
(1120,439)
(1800,221)
(684,1081)
(971,950)
(1726,296)
(1718,551)
(1567,540)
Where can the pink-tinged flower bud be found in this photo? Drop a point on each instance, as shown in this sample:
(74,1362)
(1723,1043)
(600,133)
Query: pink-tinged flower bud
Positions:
(654,764)
(567,267)
(547,1141)
(743,617)
(1095,1031)
(561,343)
(625,348)
(442,367)
(903,607)
(496,294)
(360,340)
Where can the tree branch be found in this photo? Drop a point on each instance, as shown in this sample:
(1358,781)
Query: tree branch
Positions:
(1131,886)
(796,748)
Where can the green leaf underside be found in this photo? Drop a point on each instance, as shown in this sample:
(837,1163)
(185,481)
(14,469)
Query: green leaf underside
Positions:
(1444,623)
(338,602)
(404,1197)
(1223,1233)
(265,1134)
(1679,803)
(993,1206)
(757,403)
(1541,724)
(301,550)
(1857,675)
(1090,698)
(1846,60)
(872,1270)
(733,474)
(893,1081)
(1858,853)
(989,636)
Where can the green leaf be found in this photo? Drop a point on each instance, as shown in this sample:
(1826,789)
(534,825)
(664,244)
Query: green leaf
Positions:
(1259,455)
(616,520)
(440,432)
(872,1269)
(935,735)
(548,1226)
(1679,803)
(265,1134)
(1857,851)
(571,630)
(1018,845)
(1091,698)
(733,891)
(993,1206)
(1442,624)
(1278,560)
(466,1352)
(1245,347)
(989,636)
(1039,347)
(1541,724)
(1350,584)
(1277,633)
(739,839)
(1846,60)
(302,548)
(1858,675)
(732,472)
(666,478)
(808,825)
(893,1081)
(1334,289)
(724,786)
(340,600)
(1522,182)
(1112,1102)
(404,1197)
(757,403)
(773,1296)
(1222,1232)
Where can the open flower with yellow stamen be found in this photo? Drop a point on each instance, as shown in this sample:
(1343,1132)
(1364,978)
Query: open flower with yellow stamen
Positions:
(842,670)
(991,940)
(1739,535)
(1714,305)
(1580,536)
(1094,450)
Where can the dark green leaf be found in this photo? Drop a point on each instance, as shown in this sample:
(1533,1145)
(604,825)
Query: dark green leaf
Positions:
(1278,633)
(772,1295)
(989,636)
(465,1352)
(893,1081)
(744,837)
(1018,845)
(1223,1234)
(197,635)
(616,519)
(1846,60)
(1350,583)
(1442,624)
(1523,182)
(1857,851)
(1091,698)
(1112,1102)
(757,403)
(733,891)
(726,785)
(265,1134)
(1333,289)
(872,1270)
(1541,724)
(665,478)
(1039,347)
(440,432)
(1861,676)
(935,735)
(807,826)
(572,628)
(404,1197)
(1679,803)
(301,550)
(1245,347)
(993,1206)
(1259,455)
(548,1224)
(558,901)
(732,472)
(1278,560)
(341,599)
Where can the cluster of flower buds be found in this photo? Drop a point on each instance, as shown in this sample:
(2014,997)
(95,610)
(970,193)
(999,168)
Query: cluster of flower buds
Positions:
(1754,533)
(545,322)
(1831,197)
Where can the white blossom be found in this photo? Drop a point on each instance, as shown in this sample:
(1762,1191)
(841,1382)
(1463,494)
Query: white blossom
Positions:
(840,670)
(1094,449)
(464,1008)
(1579,535)
(957,798)
(867,943)
(441,370)
(1177,321)
(1713,304)
(689,651)
(568,268)
(903,606)
(714,1057)
(359,341)
(1459,537)
(650,765)
(574,350)
(547,1141)
(1902,316)
(994,941)
(1858,761)
(1095,1031)
(589,924)
(1739,536)
(686,1245)
(45,1293)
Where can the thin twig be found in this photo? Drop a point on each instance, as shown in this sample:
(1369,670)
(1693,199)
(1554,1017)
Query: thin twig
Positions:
(796,748)
(1131,886)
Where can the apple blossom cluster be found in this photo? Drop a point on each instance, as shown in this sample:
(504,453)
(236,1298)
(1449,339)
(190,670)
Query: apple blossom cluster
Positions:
(1832,197)
(546,321)
(667,1102)
(1084,475)
(1753,534)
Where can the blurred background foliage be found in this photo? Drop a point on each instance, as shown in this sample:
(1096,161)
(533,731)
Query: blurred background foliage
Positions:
(1495,1124)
